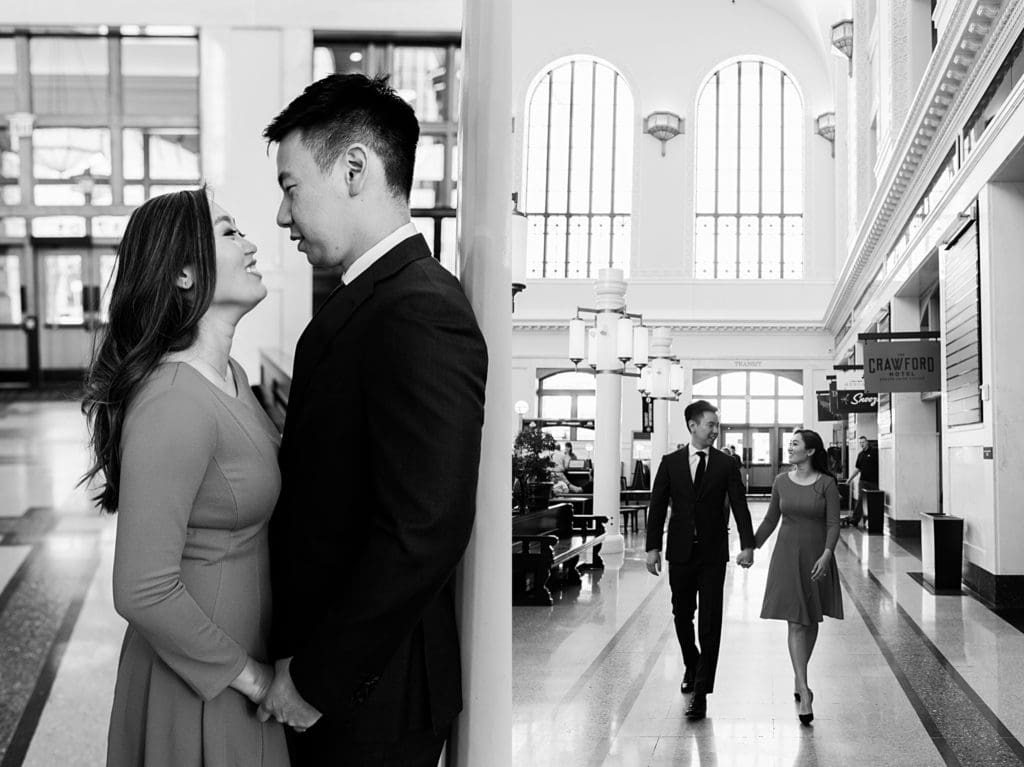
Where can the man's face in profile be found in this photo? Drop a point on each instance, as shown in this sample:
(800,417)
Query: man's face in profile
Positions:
(313,204)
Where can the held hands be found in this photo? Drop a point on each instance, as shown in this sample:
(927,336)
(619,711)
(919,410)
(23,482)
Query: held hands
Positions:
(254,680)
(654,562)
(820,568)
(283,702)
(745,558)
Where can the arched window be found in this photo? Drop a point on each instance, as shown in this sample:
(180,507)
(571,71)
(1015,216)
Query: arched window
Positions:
(752,397)
(579,170)
(571,395)
(749,174)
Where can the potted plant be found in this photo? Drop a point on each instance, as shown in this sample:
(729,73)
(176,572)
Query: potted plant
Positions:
(530,465)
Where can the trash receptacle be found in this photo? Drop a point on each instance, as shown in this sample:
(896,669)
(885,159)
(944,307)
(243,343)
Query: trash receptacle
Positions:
(844,495)
(942,550)
(875,502)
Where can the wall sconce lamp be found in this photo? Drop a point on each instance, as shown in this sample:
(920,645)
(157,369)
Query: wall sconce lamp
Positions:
(842,40)
(664,126)
(825,126)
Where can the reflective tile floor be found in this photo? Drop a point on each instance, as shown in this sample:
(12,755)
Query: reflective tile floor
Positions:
(907,679)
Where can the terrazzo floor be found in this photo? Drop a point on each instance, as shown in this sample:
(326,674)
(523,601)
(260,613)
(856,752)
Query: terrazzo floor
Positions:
(908,678)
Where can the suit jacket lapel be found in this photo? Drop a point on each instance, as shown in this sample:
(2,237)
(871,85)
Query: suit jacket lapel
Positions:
(339,308)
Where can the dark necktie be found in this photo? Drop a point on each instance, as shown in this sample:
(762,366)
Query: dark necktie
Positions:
(698,476)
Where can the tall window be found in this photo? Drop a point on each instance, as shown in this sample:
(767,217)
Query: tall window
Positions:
(426,74)
(756,398)
(579,170)
(115,120)
(749,185)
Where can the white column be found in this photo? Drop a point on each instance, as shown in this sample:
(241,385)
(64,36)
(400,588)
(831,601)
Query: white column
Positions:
(249,75)
(661,387)
(908,456)
(611,298)
(483,732)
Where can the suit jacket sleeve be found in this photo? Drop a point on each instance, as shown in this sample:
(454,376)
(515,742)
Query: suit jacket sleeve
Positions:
(168,443)
(740,511)
(423,392)
(660,493)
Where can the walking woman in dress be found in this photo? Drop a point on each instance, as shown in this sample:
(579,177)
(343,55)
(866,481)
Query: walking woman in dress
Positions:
(187,458)
(803,580)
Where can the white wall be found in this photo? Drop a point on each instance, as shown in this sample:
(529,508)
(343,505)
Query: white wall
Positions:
(665,72)
(248,76)
(1006,408)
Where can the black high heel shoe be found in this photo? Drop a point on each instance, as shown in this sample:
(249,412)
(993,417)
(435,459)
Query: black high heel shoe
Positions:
(806,718)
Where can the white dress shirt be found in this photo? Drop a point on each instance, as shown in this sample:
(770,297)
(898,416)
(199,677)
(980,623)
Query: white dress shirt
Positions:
(370,257)
(695,459)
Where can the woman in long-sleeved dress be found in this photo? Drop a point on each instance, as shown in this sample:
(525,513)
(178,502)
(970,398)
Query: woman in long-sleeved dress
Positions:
(803,580)
(189,461)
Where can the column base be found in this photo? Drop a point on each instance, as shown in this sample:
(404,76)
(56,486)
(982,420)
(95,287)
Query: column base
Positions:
(996,590)
(614,543)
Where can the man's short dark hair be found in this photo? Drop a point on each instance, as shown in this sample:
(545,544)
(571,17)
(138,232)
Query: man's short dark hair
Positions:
(340,110)
(695,410)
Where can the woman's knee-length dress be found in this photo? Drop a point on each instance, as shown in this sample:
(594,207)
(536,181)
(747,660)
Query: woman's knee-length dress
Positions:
(199,480)
(810,523)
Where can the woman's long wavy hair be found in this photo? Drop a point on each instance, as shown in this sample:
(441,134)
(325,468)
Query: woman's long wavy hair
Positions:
(812,441)
(150,315)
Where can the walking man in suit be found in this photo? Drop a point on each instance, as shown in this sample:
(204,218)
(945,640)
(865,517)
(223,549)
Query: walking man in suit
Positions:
(381,446)
(697,480)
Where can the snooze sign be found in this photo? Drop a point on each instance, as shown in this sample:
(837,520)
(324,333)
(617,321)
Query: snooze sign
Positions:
(902,366)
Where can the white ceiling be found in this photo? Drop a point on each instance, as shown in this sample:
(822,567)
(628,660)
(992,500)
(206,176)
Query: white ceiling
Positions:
(814,17)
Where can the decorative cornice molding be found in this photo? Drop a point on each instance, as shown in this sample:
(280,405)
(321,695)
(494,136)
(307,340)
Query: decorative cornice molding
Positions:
(684,326)
(1013,103)
(967,57)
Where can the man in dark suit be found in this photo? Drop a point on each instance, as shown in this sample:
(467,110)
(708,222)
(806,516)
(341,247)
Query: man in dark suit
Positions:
(697,480)
(381,446)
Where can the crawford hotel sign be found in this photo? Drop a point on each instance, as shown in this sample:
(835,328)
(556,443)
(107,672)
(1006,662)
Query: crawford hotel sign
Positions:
(902,366)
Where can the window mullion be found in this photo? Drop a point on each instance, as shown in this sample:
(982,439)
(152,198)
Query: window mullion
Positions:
(115,113)
(547,172)
(23,103)
(568,179)
(590,205)
(718,155)
(760,169)
(782,174)
(615,138)
(739,158)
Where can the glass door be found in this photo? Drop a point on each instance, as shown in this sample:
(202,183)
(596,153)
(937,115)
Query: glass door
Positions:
(72,303)
(14,321)
(736,438)
(761,468)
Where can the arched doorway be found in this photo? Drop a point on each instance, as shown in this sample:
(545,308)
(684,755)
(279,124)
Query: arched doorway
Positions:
(757,410)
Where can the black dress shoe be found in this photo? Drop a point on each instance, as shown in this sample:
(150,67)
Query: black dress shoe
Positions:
(698,707)
(808,717)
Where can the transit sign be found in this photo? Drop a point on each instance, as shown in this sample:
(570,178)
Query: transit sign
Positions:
(902,366)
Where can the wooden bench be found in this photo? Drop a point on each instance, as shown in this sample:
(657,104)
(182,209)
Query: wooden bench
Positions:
(552,555)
